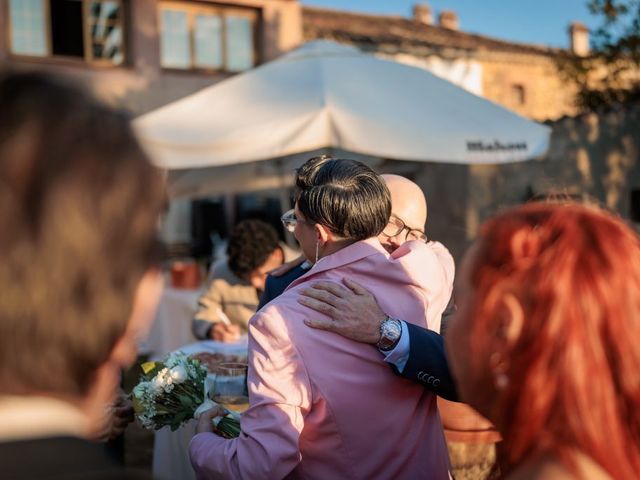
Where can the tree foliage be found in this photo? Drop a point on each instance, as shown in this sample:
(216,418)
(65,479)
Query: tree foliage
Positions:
(611,73)
(619,33)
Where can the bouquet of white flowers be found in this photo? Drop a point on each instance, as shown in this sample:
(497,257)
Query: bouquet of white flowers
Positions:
(169,392)
(174,391)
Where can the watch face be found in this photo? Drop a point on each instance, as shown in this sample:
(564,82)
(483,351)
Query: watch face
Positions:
(390,332)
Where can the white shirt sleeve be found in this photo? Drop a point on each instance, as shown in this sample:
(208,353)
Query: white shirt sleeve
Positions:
(399,355)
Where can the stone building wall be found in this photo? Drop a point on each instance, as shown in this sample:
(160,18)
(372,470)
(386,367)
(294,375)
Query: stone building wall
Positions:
(528,84)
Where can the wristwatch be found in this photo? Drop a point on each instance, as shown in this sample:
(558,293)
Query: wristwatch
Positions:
(390,331)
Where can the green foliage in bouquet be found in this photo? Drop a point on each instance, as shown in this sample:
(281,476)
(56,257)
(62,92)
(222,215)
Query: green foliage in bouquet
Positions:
(227,427)
(169,392)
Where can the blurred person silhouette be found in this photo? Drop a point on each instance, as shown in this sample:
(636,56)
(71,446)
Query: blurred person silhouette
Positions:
(79,204)
(322,406)
(236,283)
(544,340)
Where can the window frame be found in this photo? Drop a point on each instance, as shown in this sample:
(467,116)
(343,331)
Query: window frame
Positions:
(88,42)
(192,9)
(88,57)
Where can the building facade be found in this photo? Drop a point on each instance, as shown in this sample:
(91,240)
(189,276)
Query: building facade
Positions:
(590,156)
(523,78)
(142,54)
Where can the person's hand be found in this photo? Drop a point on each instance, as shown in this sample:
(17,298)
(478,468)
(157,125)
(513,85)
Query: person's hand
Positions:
(205,423)
(287,267)
(354,312)
(116,418)
(223,332)
(122,416)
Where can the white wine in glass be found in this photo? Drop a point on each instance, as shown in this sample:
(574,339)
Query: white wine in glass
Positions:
(235,403)
(230,388)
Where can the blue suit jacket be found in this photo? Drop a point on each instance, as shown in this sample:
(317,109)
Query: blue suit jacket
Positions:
(427,363)
(274,286)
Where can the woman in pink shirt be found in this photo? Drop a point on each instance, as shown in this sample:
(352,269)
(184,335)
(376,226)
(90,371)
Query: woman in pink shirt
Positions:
(322,406)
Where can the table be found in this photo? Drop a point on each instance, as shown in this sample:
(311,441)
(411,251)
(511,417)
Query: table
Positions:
(171,327)
(171,449)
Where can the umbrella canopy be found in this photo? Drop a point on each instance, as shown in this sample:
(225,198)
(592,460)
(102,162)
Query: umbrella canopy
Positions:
(328,95)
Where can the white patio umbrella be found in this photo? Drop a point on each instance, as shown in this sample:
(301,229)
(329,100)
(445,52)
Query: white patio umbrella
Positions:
(328,95)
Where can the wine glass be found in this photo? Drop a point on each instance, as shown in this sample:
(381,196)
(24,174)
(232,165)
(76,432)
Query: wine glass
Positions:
(230,386)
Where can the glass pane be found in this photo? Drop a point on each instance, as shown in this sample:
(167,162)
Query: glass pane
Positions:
(208,45)
(28,32)
(112,47)
(105,20)
(239,43)
(174,45)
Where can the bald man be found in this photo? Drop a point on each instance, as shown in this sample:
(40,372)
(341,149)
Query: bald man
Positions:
(408,212)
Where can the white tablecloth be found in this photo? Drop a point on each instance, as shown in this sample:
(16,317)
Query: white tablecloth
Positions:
(171,327)
(171,449)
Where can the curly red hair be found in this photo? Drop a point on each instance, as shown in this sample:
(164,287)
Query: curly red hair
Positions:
(574,370)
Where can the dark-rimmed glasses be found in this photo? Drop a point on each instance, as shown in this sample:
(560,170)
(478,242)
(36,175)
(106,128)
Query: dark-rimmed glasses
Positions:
(396,226)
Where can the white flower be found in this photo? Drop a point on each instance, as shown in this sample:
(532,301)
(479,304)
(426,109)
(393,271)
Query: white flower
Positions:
(159,381)
(178,374)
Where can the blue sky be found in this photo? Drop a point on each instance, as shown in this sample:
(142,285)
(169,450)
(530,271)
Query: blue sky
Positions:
(530,21)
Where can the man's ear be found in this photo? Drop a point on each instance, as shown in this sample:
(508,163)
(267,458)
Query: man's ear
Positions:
(145,302)
(323,234)
(278,254)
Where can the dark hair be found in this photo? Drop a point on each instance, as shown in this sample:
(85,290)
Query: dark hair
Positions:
(345,196)
(79,204)
(250,244)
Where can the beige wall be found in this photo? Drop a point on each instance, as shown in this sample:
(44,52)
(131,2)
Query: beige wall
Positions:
(548,96)
(142,84)
(494,75)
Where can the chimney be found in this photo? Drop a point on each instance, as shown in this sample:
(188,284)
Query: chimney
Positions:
(449,19)
(579,39)
(422,14)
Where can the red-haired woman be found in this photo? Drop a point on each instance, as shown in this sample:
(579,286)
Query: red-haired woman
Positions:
(545,340)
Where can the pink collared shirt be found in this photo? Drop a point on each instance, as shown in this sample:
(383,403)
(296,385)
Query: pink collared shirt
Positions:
(324,407)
